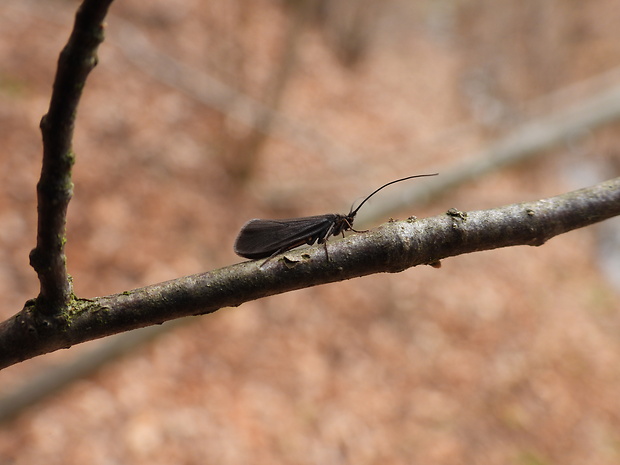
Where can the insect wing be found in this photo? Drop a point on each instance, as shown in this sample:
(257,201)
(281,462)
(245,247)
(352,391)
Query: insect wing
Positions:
(262,238)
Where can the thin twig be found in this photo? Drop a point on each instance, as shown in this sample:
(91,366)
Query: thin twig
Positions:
(55,187)
(392,248)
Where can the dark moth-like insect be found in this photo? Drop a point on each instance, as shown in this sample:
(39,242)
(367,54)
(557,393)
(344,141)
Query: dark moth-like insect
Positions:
(267,238)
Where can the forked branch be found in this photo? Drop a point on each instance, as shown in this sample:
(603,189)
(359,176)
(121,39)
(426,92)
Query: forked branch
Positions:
(55,187)
(393,247)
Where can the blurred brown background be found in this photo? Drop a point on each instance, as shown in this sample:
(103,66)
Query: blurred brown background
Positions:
(504,357)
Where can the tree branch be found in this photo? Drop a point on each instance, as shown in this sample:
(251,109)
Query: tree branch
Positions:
(391,248)
(55,188)
(526,140)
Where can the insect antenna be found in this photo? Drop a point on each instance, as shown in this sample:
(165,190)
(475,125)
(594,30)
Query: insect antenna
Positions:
(352,213)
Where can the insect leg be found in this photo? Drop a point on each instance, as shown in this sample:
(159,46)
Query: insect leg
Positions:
(323,239)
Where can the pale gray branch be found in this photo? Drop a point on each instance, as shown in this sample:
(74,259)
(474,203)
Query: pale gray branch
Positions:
(525,141)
